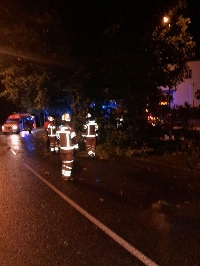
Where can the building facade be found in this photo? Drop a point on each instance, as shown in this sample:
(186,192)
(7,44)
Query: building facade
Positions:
(187,92)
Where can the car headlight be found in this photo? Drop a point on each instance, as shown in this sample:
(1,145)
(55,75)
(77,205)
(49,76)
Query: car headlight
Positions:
(14,127)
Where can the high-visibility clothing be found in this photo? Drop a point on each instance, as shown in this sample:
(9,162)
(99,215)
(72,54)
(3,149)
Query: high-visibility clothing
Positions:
(52,139)
(66,135)
(91,128)
(91,146)
(51,130)
(67,138)
(67,165)
(91,132)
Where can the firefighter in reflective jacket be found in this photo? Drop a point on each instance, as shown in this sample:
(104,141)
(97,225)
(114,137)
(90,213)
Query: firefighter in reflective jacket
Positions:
(68,143)
(91,132)
(52,138)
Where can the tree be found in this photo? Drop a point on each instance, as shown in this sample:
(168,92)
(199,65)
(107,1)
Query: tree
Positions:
(174,47)
(33,47)
(142,54)
(126,56)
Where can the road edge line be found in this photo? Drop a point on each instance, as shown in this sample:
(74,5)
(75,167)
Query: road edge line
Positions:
(135,252)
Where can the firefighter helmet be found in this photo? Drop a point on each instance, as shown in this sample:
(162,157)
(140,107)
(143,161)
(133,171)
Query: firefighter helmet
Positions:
(50,118)
(88,115)
(66,117)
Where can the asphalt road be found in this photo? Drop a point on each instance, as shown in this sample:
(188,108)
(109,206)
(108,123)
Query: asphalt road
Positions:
(114,212)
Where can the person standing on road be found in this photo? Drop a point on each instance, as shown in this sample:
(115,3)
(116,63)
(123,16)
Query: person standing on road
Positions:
(47,122)
(91,133)
(68,143)
(52,138)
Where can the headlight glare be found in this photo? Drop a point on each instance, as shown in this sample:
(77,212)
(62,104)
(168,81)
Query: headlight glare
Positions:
(14,127)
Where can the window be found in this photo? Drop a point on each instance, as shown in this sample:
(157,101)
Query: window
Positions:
(197,94)
(188,74)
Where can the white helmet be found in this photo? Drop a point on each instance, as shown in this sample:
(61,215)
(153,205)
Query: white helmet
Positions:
(66,117)
(50,118)
(88,115)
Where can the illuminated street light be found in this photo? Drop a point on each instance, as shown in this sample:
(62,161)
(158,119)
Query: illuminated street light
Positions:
(166,20)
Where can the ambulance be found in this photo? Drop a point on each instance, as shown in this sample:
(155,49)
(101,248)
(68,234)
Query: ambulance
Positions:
(18,122)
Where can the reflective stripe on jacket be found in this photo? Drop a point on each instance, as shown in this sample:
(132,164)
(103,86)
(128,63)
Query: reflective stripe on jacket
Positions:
(51,131)
(91,129)
(66,134)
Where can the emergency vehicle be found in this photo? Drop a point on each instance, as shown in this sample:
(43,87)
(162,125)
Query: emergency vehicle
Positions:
(18,122)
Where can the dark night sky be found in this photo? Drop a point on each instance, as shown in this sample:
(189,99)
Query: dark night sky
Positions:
(5,109)
(86,18)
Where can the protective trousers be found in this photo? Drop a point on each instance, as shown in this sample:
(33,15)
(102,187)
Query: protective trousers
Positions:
(53,143)
(91,146)
(67,164)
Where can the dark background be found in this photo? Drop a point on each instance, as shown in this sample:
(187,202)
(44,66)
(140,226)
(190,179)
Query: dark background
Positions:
(6,108)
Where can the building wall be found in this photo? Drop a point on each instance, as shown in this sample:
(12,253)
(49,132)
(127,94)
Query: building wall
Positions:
(185,91)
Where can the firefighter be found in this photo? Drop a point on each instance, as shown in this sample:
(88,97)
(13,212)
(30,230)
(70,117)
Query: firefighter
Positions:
(120,122)
(52,138)
(47,122)
(68,143)
(90,134)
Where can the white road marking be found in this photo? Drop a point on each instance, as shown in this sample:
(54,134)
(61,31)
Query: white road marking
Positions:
(135,252)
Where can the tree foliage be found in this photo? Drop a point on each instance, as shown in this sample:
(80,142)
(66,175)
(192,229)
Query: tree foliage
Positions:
(143,53)
(32,50)
(106,50)
(174,47)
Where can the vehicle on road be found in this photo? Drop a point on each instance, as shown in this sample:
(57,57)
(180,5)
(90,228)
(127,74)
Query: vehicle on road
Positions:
(18,122)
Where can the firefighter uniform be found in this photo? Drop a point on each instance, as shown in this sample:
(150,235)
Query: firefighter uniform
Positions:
(91,132)
(68,143)
(51,133)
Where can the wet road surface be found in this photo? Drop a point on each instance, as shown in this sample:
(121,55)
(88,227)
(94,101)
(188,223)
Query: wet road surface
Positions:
(153,206)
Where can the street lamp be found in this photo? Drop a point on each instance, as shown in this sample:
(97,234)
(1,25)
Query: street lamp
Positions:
(166,20)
